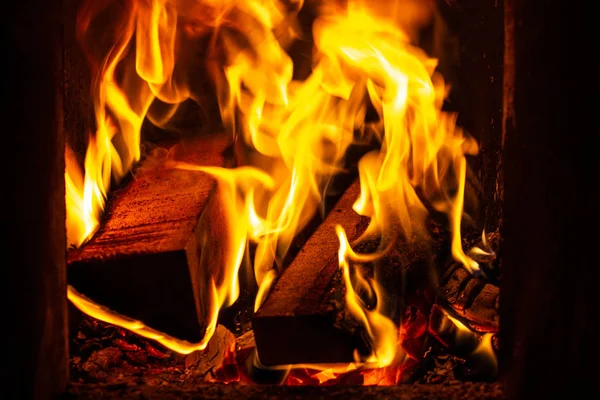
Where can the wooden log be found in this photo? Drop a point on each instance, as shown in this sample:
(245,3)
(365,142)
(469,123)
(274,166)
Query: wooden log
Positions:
(460,344)
(477,365)
(296,323)
(144,261)
(303,320)
(33,200)
(472,298)
(483,312)
(457,279)
(468,295)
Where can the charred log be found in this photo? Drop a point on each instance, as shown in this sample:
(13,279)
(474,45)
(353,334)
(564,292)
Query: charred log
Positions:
(296,324)
(303,320)
(144,262)
(471,297)
(448,334)
(477,363)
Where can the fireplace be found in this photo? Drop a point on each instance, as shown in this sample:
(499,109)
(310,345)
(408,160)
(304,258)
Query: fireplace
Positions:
(505,60)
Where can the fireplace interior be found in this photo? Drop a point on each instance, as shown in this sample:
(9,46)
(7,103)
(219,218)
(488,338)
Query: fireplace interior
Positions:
(296,198)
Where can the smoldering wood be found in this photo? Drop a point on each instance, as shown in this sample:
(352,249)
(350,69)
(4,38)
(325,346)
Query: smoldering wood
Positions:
(303,320)
(476,366)
(239,315)
(471,297)
(294,324)
(453,282)
(447,333)
(33,195)
(483,312)
(144,261)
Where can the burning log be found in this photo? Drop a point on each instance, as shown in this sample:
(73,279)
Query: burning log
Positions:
(475,349)
(144,261)
(301,321)
(296,323)
(472,298)
(461,342)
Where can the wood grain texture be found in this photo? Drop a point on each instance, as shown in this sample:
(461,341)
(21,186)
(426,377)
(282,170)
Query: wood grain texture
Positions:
(296,324)
(144,261)
(472,298)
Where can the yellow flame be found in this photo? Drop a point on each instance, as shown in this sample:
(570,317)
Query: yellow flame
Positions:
(236,189)
(81,220)
(380,329)
(421,147)
(461,327)
(123,90)
(422,154)
(463,332)
(89,307)
(324,376)
(295,132)
(485,352)
(485,252)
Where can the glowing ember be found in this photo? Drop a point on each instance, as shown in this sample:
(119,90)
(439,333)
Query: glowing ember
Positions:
(298,132)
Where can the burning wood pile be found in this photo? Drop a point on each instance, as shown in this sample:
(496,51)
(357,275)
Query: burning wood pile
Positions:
(345,193)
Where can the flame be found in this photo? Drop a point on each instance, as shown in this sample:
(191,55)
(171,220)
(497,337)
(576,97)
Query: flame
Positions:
(236,188)
(422,158)
(485,353)
(123,90)
(485,252)
(462,328)
(89,307)
(380,329)
(295,132)
(476,348)
(421,148)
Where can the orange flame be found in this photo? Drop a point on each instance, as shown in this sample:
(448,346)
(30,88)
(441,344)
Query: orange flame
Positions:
(120,102)
(486,354)
(380,329)
(421,148)
(297,132)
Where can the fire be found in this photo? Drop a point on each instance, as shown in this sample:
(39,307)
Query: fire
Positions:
(485,252)
(476,347)
(121,101)
(106,315)
(485,354)
(296,132)
(381,330)
(421,148)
